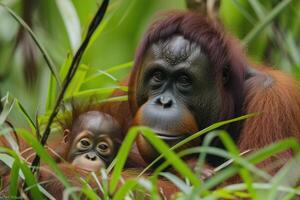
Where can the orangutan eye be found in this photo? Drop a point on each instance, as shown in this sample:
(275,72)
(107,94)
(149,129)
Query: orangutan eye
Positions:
(158,76)
(104,148)
(184,81)
(84,144)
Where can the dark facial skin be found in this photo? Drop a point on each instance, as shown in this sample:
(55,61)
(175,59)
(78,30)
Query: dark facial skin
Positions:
(178,93)
(92,141)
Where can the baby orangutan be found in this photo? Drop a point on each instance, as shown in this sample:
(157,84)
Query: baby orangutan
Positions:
(92,141)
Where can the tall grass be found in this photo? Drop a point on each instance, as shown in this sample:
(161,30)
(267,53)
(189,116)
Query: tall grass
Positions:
(86,81)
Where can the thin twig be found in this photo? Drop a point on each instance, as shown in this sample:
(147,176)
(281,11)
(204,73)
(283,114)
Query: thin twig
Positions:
(73,68)
(37,129)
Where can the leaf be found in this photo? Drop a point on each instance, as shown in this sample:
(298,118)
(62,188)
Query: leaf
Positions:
(198,134)
(109,71)
(71,21)
(76,82)
(124,189)
(177,181)
(286,176)
(267,20)
(28,176)
(159,145)
(7,107)
(14,177)
(40,150)
(95,92)
(26,115)
(37,42)
(256,157)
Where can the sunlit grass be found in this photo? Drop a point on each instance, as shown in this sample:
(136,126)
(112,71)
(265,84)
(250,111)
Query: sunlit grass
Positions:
(256,183)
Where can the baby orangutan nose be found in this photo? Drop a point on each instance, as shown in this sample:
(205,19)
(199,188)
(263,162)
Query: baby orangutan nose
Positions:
(91,156)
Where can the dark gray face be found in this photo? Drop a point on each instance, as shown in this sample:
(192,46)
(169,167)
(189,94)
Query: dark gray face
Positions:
(94,140)
(177,88)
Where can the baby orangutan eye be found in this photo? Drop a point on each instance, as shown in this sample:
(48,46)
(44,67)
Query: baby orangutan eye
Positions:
(84,143)
(104,148)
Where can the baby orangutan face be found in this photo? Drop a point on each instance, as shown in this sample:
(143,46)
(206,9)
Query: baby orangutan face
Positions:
(92,141)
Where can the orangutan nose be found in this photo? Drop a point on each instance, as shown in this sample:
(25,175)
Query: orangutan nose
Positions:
(164,101)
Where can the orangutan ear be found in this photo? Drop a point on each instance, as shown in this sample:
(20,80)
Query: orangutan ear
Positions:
(66,135)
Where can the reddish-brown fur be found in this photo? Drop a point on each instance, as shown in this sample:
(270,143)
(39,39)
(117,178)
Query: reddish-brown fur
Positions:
(270,92)
(221,50)
(279,105)
(55,187)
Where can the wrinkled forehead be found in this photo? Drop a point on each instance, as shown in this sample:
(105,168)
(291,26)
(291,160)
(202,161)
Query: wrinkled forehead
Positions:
(174,50)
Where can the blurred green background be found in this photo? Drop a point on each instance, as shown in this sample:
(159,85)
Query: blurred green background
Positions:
(60,26)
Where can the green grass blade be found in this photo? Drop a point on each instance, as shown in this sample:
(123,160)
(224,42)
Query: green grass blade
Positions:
(261,186)
(71,21)
(99,74)
(201,160)
(258,8)
(292,47)
(29,178)
(76,82)
(267,20)
(7,107)
(244,173)
(39,149)
(159,145)
(99,31)
(26,115)
(122,156)
(198,134)
(272,149)
(7,159)
(31,182)
(286,176)
(125,188)
(115,99)
(109,71)
(95,92)
(177,182)
(65,67)
(117,14)
(47,58)
(51,96)
(13,182)
(89,192)
(254,158)
(228,172)
(243,11)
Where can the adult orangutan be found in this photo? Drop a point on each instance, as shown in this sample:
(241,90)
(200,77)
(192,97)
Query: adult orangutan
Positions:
(189,74)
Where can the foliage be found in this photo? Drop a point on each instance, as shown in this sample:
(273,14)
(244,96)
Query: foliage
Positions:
(268,28)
